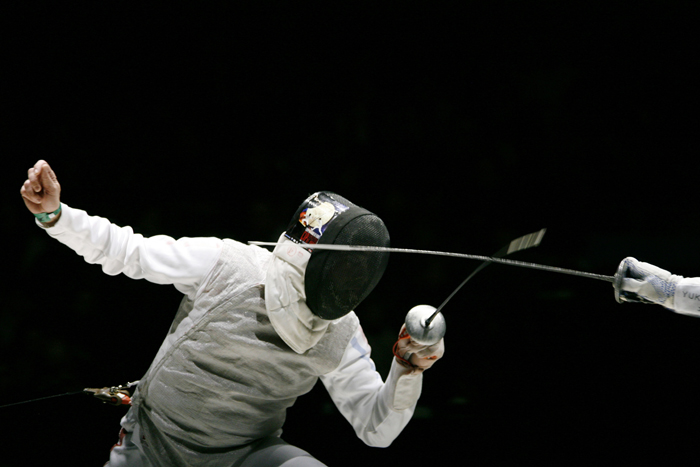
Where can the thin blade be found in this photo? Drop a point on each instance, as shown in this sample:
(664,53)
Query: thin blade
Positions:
(492,259)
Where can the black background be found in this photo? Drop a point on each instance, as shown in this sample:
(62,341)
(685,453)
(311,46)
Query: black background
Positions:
(463,127)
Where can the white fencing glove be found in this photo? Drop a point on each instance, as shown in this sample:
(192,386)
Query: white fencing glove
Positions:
(636,281)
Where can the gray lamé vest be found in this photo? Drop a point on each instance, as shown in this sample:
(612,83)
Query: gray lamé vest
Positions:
(223,377)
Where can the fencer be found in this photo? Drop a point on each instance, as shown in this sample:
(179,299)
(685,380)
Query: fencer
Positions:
(646,283)
(255,330)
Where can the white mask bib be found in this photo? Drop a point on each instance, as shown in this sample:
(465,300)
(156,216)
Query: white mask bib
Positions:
(285,298)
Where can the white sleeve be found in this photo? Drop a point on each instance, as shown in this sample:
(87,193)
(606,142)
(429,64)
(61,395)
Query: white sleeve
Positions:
(160,259)
(686,300)
(377,410)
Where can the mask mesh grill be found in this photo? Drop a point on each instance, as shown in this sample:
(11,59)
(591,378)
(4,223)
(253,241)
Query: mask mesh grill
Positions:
(346,278)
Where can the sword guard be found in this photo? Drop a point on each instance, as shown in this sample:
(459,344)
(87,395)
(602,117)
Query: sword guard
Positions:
(114,395)
(421,332)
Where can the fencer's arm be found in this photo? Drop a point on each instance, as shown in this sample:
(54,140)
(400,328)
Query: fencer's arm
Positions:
(159,259)
(687,296)
(651,284)
(378,410)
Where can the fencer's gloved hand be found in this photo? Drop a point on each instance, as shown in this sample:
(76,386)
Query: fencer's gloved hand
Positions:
(636,281)
(417,356)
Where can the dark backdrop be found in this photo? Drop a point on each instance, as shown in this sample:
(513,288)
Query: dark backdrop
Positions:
(462,125)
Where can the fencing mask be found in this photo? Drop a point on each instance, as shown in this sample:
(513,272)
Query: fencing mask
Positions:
(335,282)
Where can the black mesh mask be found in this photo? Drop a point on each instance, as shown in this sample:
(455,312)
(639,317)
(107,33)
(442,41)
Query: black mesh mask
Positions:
(336,282)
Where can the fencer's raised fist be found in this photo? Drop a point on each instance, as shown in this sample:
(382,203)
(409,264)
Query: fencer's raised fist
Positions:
(41,191)
(420,357)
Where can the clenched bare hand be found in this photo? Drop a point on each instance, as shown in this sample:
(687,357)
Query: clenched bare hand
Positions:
(41,191)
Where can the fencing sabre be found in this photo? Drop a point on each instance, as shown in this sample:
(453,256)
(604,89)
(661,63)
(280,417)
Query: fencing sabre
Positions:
(426,325)
(114,395)
(488,259)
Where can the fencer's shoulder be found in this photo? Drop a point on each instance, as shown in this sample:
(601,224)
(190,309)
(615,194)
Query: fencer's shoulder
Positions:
(343,328)
(346,327)
(333,346)
(350,320)
(239,257)
(245,249)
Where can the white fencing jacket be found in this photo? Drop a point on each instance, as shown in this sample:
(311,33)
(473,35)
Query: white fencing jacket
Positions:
(223,377)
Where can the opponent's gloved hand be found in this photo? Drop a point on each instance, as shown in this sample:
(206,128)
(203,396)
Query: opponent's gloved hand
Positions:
(417,356)
(636,281)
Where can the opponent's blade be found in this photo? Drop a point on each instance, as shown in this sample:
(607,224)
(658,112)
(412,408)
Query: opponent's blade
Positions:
(508,262)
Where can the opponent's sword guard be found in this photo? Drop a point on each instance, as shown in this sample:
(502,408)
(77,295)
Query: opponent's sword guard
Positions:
(617,283)
(114,395)
(622,296)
